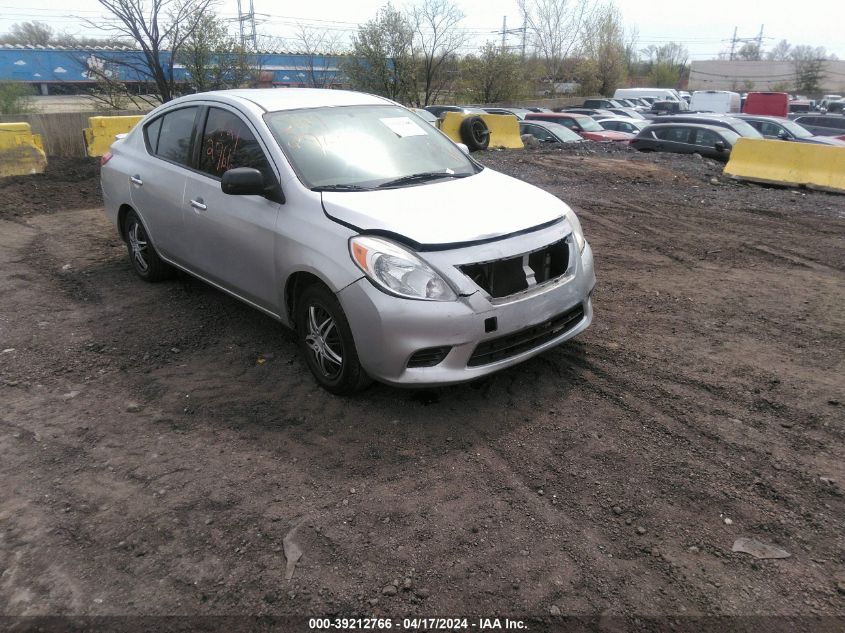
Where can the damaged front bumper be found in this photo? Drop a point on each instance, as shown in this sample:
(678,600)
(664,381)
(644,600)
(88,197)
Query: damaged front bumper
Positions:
(475,335)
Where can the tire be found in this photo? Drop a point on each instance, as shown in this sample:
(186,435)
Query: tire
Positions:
(145,260)
(325,339)
(474,133)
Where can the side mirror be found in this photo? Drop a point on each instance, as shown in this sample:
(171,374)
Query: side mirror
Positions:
(463,147)
(720,146)
(247,181)
(782,135)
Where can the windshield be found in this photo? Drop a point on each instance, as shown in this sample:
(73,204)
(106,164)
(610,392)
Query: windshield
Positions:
(796,130)
(589,125)
(743,128)
(363,146)
(562,132)
(729,135)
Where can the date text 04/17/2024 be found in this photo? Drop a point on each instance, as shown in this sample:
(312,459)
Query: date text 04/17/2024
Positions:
(416,624)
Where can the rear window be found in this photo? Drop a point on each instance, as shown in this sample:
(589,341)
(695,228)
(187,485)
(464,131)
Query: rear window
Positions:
(174,130)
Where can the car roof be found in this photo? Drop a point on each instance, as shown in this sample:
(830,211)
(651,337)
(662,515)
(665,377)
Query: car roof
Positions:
(560,115)
(272,99)
(760,117)
(714,128)
(626,119)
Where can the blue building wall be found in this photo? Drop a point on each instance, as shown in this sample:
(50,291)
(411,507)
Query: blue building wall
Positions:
(73,66)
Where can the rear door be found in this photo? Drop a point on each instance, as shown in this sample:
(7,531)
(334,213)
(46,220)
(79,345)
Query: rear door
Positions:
(158,178)
(231,239)
(675,139)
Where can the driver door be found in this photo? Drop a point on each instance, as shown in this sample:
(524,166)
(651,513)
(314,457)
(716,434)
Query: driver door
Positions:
(231,239)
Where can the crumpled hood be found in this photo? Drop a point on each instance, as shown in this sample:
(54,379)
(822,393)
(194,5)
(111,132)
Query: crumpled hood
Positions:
(480,207)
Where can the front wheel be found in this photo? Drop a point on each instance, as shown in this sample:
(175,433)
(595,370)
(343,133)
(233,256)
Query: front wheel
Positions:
(326,341)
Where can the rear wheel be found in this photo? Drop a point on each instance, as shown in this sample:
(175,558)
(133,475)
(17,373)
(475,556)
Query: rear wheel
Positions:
(145,260)
(326,341)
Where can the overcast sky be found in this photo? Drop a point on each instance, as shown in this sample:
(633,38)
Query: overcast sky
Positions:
(705,28)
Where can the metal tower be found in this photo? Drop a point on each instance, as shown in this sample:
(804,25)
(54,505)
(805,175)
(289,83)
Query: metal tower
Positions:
(246,26)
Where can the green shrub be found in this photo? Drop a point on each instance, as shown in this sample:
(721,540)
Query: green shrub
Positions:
(15,98)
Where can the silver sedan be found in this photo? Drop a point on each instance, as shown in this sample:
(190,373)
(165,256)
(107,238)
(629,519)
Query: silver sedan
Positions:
(391,252)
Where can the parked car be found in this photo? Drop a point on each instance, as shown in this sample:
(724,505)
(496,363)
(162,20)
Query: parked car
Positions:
(631,113)
(537,109)
(661,108)
(582,124)
(786,130)
(519,113)
(601,104)
(687,138)
(438,110)
(426,116)
(546,132)
(731,122)
(767,103)
(624,124)
(591,112)
(822,124)
(799,107)
(391,253)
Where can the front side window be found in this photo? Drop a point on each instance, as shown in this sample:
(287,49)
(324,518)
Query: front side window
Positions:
(539,133)
(228,143)
(364,146)
(174,138)
(705,138)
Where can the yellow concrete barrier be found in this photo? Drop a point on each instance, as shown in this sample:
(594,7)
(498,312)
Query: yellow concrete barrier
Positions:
(103,130)
(788,163)
(21,151)
(504,128)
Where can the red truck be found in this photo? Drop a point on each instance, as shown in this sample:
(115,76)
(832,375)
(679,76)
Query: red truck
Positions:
(768,103)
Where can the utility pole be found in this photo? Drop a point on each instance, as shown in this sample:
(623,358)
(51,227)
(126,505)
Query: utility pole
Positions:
(246,26)
(524,38)
(504,32)
(733,44)
(760,42)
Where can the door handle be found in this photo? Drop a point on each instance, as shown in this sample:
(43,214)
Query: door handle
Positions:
(136,180)
(199,204)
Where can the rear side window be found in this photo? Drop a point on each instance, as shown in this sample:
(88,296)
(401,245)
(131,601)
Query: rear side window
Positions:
(228,143)
(675,134)
(174,136)
(151,134)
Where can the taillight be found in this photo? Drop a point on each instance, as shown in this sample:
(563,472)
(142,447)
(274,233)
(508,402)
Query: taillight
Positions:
(105,158)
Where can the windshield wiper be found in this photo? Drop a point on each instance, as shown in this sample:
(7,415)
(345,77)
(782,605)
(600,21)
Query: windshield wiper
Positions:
(420,177)
(341,188)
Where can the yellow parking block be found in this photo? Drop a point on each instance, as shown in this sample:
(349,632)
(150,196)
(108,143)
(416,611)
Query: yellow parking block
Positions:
(103,130)
(788,163)
(21,151)
(504,128)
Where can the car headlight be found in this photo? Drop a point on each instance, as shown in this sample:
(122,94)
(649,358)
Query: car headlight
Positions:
(575,223)
(397,270)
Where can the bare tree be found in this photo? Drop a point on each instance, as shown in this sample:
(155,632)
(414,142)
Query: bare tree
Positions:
(319,49)
(780,52)
(809,67)
(381,60)
(29,33)
(437,40)
(604,52)
(493,75)
(213,59)
(159,28)
(554,28)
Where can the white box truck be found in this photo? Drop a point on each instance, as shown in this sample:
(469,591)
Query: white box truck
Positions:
(722,101)
(659,94)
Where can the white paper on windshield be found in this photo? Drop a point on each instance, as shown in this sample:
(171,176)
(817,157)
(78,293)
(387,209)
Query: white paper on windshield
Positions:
(402,126)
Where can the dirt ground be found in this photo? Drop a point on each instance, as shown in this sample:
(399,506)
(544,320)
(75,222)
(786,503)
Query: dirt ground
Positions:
(158,442)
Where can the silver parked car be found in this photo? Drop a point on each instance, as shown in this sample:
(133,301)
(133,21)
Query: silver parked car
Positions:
(393,254)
